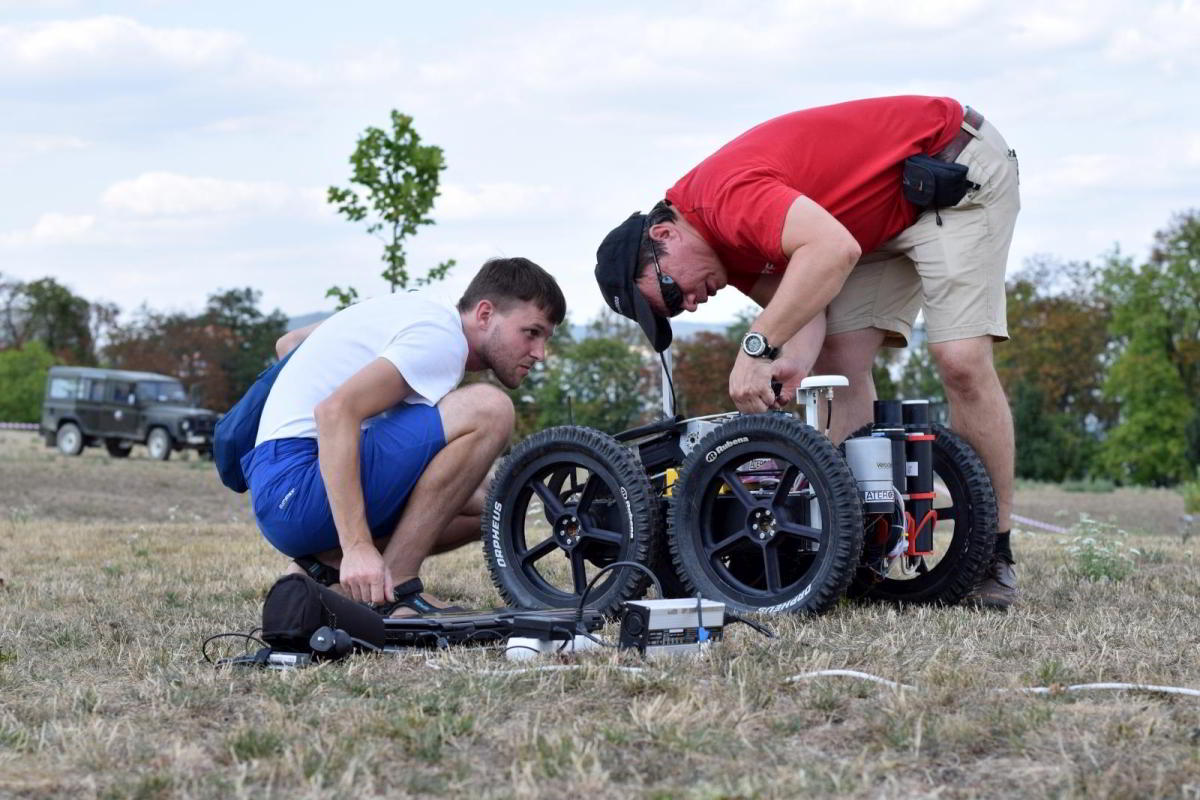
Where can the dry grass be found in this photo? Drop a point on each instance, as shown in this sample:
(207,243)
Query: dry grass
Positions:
(103,693)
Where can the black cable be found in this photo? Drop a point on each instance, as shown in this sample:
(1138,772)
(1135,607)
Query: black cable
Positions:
(732,619)
(588,589)
(247,636)
(362,643)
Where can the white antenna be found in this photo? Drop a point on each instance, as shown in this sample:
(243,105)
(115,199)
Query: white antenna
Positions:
(667,395)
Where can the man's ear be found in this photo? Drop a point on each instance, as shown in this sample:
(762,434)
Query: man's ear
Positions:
(484,313)
(663,232)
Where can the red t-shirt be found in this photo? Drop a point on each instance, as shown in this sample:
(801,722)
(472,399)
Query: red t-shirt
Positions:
(846,157)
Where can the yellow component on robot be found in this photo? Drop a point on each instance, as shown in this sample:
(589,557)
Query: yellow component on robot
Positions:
(671,476)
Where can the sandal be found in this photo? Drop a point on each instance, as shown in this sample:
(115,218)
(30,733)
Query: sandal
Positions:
(319,571)
(408,595)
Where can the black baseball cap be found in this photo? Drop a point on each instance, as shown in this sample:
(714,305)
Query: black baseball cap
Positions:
(616,265)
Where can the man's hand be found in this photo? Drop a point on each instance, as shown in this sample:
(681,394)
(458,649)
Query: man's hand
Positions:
(365,576)
(750,384)
(790,372)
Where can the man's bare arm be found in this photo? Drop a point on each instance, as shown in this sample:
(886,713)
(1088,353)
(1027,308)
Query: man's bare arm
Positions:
(799,353)
(292,339)
(821,253)
(375,388)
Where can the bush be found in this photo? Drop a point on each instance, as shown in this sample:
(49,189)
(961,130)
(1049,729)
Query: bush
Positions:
(23,381)
(1099,552)
(1191,494)
(1090,486)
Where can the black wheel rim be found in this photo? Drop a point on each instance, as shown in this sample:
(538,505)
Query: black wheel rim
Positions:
(763,525)
(565,525)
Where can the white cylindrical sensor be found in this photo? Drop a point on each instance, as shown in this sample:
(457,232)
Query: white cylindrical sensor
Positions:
(870,459)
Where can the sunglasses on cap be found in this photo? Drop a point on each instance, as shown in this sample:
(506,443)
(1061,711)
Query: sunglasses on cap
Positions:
(672,295)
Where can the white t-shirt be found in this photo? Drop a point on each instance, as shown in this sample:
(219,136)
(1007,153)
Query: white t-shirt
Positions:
(423,338)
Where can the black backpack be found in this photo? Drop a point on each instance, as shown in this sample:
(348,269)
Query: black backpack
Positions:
(236,431)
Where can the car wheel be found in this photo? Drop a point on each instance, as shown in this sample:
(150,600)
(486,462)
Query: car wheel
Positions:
(118,448)
(69,439)
(159,444)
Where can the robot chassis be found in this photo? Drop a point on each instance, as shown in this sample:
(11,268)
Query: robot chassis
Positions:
(759,511)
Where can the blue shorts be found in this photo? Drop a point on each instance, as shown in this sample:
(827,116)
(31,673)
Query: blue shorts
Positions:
(288,494)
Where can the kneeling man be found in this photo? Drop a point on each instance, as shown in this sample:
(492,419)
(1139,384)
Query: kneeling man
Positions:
(368,459)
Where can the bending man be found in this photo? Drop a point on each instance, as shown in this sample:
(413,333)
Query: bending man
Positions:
(807,215)
(368,459)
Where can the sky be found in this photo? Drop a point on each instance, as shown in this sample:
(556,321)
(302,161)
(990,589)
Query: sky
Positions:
(155,152)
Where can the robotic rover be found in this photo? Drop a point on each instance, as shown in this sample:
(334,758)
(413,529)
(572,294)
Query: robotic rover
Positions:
(761,511)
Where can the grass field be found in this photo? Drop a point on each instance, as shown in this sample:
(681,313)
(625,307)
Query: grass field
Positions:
(114,572)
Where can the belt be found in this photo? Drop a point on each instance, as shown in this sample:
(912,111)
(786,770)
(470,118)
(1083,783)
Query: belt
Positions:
(972,122)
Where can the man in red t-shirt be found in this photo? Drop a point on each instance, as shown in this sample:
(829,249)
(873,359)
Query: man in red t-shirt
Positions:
(807,215)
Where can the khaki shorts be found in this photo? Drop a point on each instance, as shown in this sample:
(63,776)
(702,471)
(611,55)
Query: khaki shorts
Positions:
(953,272)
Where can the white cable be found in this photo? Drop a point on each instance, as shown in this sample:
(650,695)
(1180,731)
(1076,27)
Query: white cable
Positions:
(523,670)
(1086,687)
(1079,687)
(848,673)
(1037,524)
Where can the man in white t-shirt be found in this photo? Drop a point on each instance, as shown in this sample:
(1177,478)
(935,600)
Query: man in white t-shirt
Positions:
(368,459)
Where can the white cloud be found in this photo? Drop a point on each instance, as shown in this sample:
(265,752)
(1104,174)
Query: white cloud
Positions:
(166,194)
(490,201)
(1191,152)
(1166,35)
(15,148)
(127,52)
(102,42)
(51,228)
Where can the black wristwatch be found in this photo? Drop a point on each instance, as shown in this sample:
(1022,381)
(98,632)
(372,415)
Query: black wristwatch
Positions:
(755,345)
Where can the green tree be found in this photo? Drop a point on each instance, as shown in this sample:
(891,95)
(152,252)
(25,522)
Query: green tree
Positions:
(251,334)
(394,184)
(49,312)
(919,379)
(23,380)
(1149,444)
(217,353)
(593,383)
(703,362)
(1155,330)
(1051,445)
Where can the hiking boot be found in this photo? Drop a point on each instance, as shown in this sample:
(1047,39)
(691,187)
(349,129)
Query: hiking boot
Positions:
(997,588)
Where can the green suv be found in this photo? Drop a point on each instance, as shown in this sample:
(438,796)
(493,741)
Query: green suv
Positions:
(85,406)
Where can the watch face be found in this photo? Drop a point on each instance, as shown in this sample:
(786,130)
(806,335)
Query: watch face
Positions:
(754,344)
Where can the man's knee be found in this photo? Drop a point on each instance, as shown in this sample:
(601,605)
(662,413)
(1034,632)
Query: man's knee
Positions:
(966,366)
(848,354)
(479,406)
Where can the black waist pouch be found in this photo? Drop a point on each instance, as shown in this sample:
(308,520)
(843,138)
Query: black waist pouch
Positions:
(932,183)
(296,606)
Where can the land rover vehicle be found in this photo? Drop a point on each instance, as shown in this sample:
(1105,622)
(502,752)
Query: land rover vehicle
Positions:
(86,406)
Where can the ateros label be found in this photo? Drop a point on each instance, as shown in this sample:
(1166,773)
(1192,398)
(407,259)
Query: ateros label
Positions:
(878,495)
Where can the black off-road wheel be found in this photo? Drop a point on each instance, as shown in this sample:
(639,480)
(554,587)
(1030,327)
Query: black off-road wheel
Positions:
(963,538)
(766,517)
(565,503)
